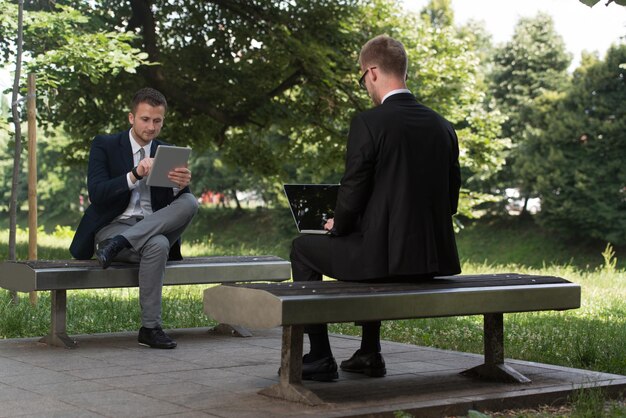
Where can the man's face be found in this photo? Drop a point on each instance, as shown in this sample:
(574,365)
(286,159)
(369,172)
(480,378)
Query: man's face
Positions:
(147,122)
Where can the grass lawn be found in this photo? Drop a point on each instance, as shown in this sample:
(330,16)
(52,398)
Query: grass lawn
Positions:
(591,337)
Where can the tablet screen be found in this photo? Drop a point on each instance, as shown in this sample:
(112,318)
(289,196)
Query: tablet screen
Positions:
(167,158)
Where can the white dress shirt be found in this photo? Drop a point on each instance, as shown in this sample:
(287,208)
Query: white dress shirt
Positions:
(392,92)
(133,208)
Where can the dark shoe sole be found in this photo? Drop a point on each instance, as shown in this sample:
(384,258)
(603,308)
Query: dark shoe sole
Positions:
(322,377)
(158,346)
(102,262)
(367,372)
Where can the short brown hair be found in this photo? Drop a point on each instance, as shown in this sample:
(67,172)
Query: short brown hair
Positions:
(386,53)
(148,95)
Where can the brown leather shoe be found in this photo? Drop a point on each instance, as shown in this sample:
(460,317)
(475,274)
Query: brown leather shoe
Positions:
(369,364)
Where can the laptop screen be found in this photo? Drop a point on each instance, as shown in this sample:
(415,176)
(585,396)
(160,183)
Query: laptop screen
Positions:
(311,204)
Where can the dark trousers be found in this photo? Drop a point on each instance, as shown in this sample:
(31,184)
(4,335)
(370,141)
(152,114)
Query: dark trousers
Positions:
(311,258)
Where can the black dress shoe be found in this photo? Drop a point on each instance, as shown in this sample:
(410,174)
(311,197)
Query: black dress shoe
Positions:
(370,364)
(107,250)
(322,370)
(155,338)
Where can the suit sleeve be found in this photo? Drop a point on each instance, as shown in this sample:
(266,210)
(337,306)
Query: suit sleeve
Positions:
(454,176)
(356,183)
(100,183)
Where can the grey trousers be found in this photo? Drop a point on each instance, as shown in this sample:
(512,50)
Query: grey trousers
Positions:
(151,239)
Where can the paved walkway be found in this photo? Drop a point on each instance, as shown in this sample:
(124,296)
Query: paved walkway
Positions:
(219,376)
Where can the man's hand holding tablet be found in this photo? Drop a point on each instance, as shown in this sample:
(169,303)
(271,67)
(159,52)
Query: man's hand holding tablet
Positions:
(169,167)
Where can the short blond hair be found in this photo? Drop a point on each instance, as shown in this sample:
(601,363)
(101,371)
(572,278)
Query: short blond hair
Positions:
(386,53)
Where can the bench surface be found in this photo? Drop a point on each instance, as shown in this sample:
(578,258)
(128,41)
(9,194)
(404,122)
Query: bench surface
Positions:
(26,276)
(269,305)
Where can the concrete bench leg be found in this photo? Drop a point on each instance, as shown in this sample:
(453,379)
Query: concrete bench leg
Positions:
(494,368)
(58,336)
(290,387)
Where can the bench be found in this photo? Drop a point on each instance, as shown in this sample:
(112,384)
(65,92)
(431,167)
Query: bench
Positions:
(58,276)
(292,305)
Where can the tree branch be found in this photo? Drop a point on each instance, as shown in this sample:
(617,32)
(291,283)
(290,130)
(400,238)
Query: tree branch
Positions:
(142,17)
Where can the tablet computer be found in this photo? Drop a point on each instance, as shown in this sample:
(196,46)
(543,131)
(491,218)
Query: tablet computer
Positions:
(166,159)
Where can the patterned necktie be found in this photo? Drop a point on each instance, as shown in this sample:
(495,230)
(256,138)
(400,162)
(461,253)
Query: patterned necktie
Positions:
(143,203)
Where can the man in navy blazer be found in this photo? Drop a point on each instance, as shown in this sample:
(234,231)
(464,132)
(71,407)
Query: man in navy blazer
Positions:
(393,217)
(130,221)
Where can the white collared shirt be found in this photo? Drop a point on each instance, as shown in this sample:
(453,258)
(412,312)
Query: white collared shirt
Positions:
(392,92)
(133,208)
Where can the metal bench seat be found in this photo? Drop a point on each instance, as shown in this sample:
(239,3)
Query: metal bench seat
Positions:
(58,276)
(293,305)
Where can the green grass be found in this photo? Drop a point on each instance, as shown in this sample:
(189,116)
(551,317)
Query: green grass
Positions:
(590,337)
(101,311)
(518,241)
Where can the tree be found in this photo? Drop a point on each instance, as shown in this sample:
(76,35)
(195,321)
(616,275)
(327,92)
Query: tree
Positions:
(56,39)
(532,63)
(578,149)
(591,3)
(446,76)
(267,88)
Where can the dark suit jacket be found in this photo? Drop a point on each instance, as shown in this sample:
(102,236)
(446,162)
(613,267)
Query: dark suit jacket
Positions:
(110,158)
(398,194)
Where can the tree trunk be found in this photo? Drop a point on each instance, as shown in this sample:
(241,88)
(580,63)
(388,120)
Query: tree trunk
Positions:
(524,212)
(237,202)
(18,139)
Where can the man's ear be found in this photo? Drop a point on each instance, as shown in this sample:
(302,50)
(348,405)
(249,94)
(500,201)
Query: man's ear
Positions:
(131,118)
(374,73)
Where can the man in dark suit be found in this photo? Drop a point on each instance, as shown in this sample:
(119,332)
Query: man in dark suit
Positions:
(129,220)
(393,217)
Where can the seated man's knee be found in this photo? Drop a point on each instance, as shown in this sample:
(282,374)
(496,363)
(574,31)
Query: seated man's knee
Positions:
(296,247)
(304,244)
(157,245)
(189,202)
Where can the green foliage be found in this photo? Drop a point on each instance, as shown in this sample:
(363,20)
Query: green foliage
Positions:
(63,49)
(531,64)
(263,91)
(590,403)
(59,183)
(578,150)
(592,3)
(519,241)
(444,74)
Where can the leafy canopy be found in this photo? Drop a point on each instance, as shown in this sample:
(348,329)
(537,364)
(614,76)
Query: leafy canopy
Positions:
(264,89)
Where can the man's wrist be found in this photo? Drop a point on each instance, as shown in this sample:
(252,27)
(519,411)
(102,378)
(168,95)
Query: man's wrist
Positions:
(134,171)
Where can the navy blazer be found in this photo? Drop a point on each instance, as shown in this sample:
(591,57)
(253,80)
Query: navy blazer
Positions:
(110,159)
(398,193)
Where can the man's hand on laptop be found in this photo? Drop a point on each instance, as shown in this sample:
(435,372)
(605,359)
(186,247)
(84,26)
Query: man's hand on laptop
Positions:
(329,224)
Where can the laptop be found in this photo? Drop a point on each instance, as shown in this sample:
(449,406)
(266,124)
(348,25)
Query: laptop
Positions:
(311,205)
